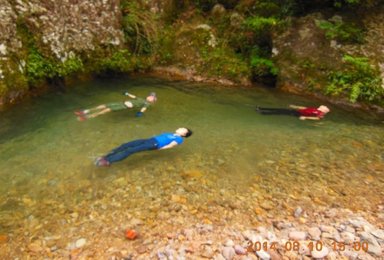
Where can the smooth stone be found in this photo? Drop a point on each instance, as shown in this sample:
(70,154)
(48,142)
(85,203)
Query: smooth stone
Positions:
(228,253)
(275,256)
(352,255)
(80,242)
(358,222)
(219,257)
(207,252)
(320,254)
(229,243)
(240,250)
(263,255)
(327,229)
(315,233)
(136,222)
(375,249)
(297,235)
(347,237)
(298,212)
(304,250)
(379,233)
(369,238)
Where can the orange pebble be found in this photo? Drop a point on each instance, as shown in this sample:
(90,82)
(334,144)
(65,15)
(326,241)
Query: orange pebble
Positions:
(130,234)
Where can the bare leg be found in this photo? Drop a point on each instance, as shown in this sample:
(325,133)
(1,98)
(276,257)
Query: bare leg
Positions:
(101,112)
(87,111)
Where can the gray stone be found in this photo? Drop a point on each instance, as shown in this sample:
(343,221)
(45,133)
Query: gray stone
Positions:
(315,233)
(229,243)
(375,249)
(207,252)
(263,255)
(80,242)
(297,235)
(240,250)
(320,254)
(364,236)
(352,255)
(379,233)
(218,10)
(219,257)
(298,212)
(228,253)
(358,222)
(347,237)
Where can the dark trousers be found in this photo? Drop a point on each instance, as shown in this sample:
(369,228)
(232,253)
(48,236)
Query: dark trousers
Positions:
(127,149)
(278,111)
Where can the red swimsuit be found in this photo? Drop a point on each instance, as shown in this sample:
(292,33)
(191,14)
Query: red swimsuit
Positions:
(311,112)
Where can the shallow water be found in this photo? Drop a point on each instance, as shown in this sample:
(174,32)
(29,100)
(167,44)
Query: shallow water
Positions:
(271,164)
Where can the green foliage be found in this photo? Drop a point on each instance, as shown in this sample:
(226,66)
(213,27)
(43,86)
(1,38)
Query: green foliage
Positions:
(221,61)
(120,61)
(166,43)
(139,28)
(263,66)
(261,24)
(38,68)
(359,81)
(343,32)
(274,8)
(69,66)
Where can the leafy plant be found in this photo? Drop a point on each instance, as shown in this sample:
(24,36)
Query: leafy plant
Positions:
(343,32)
(70,66)
(139,28)
(263,67)
(37,67)
(120,61)
(261,24)
(359,81)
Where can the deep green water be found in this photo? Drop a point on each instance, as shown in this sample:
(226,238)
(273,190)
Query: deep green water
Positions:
(46,155)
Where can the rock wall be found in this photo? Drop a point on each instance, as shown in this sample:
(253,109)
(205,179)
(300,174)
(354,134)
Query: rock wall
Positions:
(305,56)
(60,29)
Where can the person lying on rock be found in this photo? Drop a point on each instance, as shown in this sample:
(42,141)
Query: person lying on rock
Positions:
(135,102)
(158,142)
(303,113)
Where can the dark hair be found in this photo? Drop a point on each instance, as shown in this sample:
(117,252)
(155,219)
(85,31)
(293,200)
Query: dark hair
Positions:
(189,133)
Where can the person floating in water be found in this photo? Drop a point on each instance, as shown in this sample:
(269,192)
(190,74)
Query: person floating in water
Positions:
(159,142)
(303,113)
(135,102)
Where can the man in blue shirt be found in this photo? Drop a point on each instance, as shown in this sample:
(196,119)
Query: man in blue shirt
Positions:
(159,142)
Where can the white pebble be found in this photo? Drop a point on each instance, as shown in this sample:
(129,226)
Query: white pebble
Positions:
(320,254)
(297,235)
(80,242)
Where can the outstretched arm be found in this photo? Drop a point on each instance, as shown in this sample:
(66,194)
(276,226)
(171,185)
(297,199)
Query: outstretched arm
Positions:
(172,144)
(129,95)
(296,107)
(309,117)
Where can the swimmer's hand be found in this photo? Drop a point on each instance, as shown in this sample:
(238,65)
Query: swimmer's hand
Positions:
(126,93)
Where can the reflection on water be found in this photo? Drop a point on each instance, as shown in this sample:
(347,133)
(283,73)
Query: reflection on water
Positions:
(273,163)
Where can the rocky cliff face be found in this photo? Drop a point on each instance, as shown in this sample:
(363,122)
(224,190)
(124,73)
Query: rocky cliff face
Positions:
(305,56)
(51,39)
(61,29)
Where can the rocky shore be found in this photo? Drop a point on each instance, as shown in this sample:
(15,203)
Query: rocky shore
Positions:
(183,224)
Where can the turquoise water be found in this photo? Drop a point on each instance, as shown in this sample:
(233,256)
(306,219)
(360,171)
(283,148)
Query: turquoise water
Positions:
(236,158)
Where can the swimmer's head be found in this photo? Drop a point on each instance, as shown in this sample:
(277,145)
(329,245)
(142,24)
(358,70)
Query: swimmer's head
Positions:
(184,132)
(323,109)
(152,97)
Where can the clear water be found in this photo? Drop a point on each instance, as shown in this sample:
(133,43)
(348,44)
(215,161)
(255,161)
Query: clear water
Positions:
(235,155)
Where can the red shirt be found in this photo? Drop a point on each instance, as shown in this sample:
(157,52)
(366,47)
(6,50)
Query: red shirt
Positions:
(311,111)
